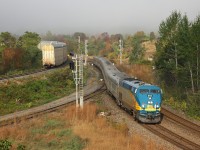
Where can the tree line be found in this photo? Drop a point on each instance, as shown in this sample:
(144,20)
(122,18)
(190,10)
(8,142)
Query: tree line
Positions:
(106,45)
(19,52)
(178,58)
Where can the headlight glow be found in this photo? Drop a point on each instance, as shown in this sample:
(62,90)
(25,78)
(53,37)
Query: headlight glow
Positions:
(143,106)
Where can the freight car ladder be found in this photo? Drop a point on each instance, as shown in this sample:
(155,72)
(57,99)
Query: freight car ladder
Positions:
(81,80)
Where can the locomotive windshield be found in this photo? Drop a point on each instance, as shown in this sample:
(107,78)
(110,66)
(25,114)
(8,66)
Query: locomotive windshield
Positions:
(155,91)
(144,91)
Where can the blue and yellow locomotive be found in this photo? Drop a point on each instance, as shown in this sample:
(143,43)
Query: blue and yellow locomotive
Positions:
(143,100)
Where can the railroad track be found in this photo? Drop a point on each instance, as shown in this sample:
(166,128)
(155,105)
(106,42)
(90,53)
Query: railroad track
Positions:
(92,91)
(181,120)
(172,137)
(8,77)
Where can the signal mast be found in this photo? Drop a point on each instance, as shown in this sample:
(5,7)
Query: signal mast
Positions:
(120,50)
(79,76)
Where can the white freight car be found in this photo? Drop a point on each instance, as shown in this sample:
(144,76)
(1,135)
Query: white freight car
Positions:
(54,53)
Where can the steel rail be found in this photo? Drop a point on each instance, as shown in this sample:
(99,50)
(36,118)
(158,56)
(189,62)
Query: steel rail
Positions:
(46,108)
(172,137)
(181,120)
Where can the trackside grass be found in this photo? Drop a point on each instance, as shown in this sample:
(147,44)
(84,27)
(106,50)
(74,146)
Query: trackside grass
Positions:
(22,94)
(71,129)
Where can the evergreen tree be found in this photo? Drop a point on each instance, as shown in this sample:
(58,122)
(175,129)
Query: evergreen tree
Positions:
(166,59)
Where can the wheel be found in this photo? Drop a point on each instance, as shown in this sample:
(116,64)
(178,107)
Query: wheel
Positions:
(119,103)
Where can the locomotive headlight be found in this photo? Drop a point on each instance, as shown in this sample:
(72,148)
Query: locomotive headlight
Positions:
(156,106)
(143,106)
(150,102)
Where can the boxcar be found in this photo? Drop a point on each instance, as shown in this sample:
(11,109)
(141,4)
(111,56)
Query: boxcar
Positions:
(54,53)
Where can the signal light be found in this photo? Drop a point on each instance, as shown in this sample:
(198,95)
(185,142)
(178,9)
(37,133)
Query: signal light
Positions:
(71,65)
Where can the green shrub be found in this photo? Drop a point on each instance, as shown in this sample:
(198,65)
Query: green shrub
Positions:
(5,145)
(34,92)
(67,132)
(21,147)
(51,124)
(76,143)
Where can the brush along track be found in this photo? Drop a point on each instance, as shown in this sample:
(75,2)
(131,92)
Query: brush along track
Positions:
(180,120)
(91,90)
(172,137)
(8,77)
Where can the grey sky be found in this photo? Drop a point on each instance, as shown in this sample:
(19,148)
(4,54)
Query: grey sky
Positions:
(90,16)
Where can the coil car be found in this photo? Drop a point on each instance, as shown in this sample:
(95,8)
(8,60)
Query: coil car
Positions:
(143,100)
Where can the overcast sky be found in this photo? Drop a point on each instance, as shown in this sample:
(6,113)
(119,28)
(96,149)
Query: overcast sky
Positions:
(90,16)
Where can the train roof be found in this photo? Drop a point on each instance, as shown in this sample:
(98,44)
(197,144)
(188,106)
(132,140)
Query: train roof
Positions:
(112,71)
(120,77)
(136,83)
(55,44)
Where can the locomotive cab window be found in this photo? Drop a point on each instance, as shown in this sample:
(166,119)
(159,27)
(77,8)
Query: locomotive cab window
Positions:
(144,91)
(155,91)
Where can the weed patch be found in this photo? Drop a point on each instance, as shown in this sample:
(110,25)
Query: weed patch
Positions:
(35,91)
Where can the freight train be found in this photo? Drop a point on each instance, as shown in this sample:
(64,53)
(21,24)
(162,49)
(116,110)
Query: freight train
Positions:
(54,53)
(143,100)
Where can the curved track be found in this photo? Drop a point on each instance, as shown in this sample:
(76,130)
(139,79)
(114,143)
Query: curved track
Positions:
(8,77)
(170,136)
(92,89)
(181,120)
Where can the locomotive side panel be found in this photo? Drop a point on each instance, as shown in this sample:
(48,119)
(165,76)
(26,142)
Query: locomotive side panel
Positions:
(128,99)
